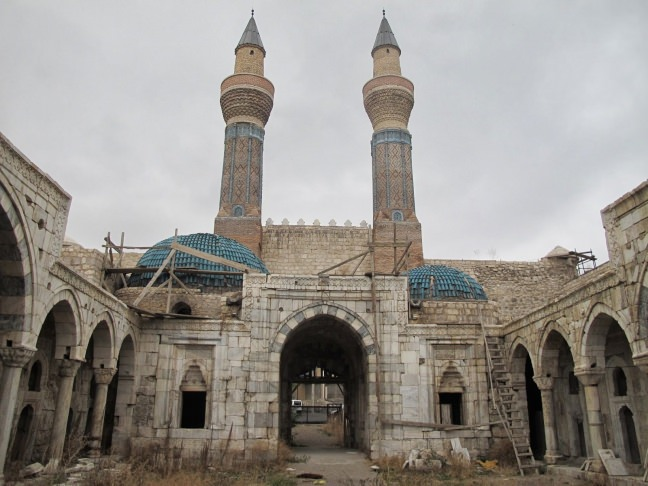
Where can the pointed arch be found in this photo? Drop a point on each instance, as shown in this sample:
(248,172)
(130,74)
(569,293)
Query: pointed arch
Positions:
(17,263)
(549,348)
(592,344)
(64,307)
(320,309)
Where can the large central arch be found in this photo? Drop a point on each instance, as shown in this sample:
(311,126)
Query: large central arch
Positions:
(336,348)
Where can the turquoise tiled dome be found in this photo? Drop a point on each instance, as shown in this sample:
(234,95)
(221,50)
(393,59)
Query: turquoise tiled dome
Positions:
(438,282)
(208,243)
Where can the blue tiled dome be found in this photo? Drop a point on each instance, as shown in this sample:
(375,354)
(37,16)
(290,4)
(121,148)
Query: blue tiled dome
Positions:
(208,243)
(438,282)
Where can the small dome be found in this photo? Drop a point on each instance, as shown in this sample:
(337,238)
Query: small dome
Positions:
(438,282)
(208,243)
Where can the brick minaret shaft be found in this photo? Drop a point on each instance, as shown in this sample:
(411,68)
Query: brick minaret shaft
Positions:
(388,100)
(246,100)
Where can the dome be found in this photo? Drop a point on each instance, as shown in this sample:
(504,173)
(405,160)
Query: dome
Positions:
(205,242)
(439,282)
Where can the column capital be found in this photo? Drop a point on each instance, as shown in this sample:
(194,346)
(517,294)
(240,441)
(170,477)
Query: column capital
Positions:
(544,383)
(103,376)
(589,376)
(68,367)
(16,356)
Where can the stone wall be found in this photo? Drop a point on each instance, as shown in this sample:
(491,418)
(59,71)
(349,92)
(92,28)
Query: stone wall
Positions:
(517,287)
(86,262)
(307,250)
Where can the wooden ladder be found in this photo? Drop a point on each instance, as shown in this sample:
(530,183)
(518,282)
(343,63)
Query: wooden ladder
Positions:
(504,400)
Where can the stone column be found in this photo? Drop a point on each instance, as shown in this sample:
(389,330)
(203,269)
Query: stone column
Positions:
(590,378)
(14,360)
(67,372)
(103,377)
(546,384)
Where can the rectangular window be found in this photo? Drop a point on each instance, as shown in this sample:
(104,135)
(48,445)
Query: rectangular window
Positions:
(193,409)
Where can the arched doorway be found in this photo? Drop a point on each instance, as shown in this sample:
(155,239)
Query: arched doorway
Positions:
(569,426)
(120,400)
(23,432)
(620,390)
(325,350)
(522,374)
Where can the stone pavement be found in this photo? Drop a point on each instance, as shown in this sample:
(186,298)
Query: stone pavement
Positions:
(338,466)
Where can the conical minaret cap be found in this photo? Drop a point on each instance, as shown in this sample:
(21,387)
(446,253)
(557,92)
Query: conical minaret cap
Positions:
(251,36)
(385,36)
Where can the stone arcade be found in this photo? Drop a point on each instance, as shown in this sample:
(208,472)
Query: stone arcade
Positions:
(207,352)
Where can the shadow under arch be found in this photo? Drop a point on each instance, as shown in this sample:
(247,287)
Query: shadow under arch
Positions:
(600,320)
(327,345)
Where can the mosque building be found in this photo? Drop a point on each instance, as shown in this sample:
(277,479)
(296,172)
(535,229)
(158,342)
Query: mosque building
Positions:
(203,341)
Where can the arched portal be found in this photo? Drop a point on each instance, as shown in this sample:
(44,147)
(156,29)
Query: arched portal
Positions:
(14,266)
(119,407)
(326,350)
(522,374)
(557,362)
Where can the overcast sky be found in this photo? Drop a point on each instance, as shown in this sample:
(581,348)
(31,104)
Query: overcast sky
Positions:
(529,116)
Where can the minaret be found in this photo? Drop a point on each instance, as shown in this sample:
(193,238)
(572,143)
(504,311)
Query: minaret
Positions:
(246,100)
(388,100)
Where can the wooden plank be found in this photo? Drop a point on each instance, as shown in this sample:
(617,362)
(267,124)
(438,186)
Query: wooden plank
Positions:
(212,258)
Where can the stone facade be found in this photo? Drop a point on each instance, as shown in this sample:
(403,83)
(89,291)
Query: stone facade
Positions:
(199,367)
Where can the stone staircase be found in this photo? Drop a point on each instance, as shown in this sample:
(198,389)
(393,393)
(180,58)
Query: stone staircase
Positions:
(506,406)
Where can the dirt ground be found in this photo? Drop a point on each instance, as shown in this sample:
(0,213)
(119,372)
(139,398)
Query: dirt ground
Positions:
(317,454)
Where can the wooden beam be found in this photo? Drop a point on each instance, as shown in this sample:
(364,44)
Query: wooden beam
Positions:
(147,289)
(342,263)
(212,258)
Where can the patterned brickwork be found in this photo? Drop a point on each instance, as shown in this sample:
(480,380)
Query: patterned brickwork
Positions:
(241,184)
(248,79)
(393,181)
(389,106)
(246,101)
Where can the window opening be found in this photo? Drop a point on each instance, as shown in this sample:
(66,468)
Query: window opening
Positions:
(397,216)
(620,382)
(193,409)
(574,386)
(35,377)
(238,211)
(181,308)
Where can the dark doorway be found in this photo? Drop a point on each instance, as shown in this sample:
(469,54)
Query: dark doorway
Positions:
(534,407)
(629,436)
(326,351)
(109,415)
(193,409)
(22,434)
(450,408)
